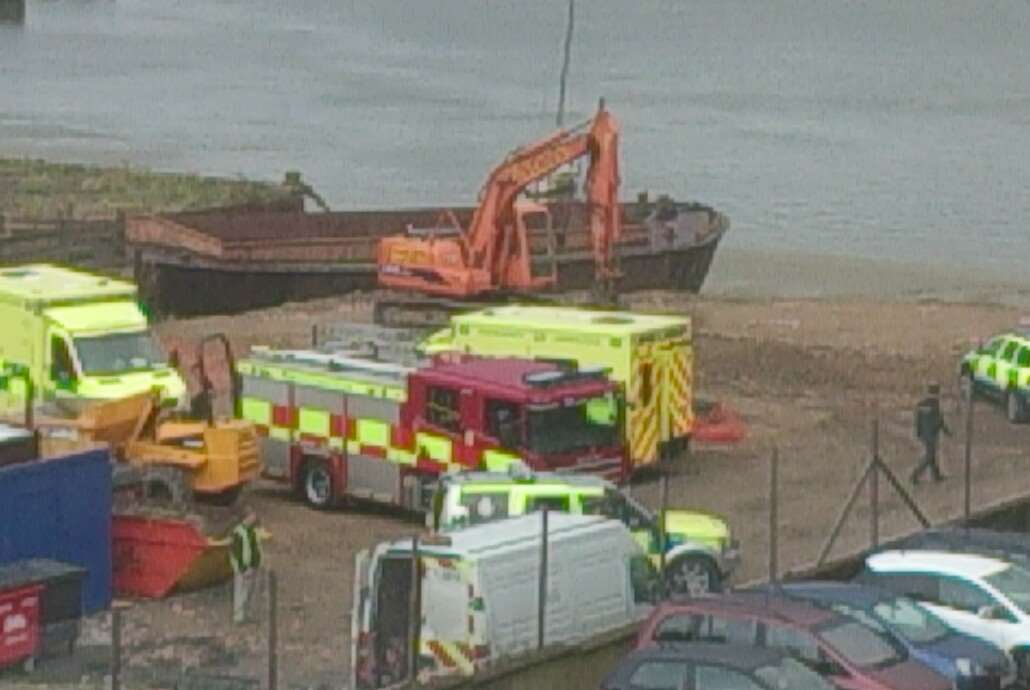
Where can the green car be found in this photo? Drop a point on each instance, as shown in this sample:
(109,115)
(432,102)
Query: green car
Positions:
(700,555)
(1000,370)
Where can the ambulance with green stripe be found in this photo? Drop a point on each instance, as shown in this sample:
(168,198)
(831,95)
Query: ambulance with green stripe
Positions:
(700,554)
(652,356)
(82,337)
(338,427)
(1000,369)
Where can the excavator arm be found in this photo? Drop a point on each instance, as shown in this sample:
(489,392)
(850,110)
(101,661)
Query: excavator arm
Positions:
(493,253)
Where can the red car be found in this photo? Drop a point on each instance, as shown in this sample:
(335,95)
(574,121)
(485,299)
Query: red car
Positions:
(850,655)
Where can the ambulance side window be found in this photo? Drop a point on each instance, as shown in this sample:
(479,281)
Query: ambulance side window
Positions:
(62,370)
(992,347)
(442,408)
(1023,358)
(552,503)
(485,507)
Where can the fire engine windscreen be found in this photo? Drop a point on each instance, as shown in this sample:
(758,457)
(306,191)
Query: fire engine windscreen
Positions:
(575,424)
(120,352)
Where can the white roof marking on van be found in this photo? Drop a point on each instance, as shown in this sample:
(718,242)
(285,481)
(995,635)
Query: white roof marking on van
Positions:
(578,480)
(968,565)
(569,318)
(506,534)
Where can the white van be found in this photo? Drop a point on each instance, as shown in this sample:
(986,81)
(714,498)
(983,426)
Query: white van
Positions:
(479,594)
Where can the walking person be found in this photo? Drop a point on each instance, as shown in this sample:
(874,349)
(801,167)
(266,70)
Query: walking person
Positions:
(245,558)
(929,425)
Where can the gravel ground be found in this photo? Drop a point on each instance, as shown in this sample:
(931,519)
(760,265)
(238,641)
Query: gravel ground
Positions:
(808,376)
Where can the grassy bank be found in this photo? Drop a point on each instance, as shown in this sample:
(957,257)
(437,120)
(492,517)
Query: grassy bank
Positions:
(39,189)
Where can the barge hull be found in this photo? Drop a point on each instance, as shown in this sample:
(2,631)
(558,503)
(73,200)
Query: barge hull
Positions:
(224,262)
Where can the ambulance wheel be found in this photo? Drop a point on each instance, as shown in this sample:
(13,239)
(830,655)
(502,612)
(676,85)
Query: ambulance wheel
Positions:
(317,484)
(1015,407)
(692,576)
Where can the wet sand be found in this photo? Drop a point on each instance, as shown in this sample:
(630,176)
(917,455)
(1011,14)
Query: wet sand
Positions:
(755,273)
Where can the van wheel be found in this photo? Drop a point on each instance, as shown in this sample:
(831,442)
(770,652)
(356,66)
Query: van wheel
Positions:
(692,576)
(1015,407)
(317,484)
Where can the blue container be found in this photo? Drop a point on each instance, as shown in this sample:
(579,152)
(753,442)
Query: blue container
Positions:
(60,508)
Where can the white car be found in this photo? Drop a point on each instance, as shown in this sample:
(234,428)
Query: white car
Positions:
(982,596)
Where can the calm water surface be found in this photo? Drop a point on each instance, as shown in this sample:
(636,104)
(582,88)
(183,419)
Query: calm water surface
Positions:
(877,129)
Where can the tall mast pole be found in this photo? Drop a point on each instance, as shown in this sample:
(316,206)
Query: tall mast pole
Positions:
(565,63)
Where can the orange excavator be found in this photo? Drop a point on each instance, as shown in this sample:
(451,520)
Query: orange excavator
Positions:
(493,257)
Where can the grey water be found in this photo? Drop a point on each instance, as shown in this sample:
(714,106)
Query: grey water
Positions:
(882,128)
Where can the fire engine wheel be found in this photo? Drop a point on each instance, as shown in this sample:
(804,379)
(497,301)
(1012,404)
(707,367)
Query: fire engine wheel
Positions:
(317,484)
(692,575)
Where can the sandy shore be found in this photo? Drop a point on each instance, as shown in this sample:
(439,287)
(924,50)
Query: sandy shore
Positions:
(744,272)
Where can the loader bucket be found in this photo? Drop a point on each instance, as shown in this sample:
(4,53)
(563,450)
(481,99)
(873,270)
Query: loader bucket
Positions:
(115,421)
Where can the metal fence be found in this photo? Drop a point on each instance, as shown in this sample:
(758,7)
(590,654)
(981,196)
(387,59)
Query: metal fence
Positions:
(189,642)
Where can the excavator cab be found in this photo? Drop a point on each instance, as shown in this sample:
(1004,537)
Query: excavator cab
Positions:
(535,257)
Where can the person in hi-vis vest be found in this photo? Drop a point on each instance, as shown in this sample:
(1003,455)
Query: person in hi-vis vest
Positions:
(245,558)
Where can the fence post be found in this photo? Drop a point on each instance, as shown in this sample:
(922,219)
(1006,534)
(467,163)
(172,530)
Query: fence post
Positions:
(415,604)
(662,529)
(967,506)
(116,648)
(314,336)
(273,631)
(542,593)
(874,487)
(774,518)
(856,491)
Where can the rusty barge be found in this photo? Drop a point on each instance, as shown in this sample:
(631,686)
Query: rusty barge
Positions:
(231,260)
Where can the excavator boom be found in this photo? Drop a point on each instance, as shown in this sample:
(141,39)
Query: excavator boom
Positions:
(493,254)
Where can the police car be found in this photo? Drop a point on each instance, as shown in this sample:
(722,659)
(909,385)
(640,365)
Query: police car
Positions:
(1000,369)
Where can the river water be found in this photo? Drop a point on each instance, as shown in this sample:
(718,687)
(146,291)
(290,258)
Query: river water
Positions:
(873,129)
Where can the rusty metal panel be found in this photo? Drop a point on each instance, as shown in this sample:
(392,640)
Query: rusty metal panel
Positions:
(160,230)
